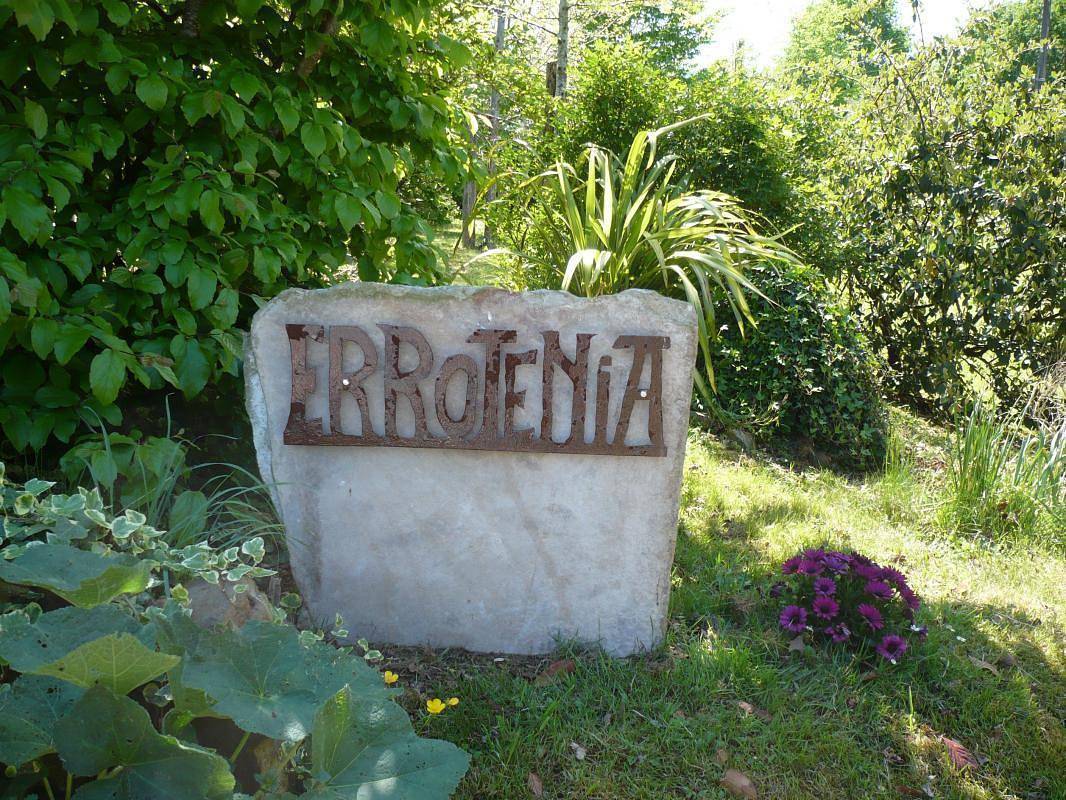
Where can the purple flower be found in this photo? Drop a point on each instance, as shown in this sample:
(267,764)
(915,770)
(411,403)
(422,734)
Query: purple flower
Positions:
(790,566)
(836,562)
(793,619)
(894,576)
(921,630)
(879,589)
(869,571)
(777,589)
(909,598)
(813,554)
(838,633)
(892,647)
(824,586)
(808,566)
(871,616)
(825,607)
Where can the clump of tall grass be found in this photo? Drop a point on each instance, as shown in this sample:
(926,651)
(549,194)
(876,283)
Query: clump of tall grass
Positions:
(1007,473)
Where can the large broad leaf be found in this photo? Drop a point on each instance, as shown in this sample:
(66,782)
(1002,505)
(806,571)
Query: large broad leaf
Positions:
(266,681)
(29,708)
(87,647)
(103,731)
(365,747)
(81,577)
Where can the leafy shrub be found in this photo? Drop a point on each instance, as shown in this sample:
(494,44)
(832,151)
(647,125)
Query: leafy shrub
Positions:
(604,225)
(1006,477)
(117,645)
(164,166)
(947,180)
(847,599)
(803,370)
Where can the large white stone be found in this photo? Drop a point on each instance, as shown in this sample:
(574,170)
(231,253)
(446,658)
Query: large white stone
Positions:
(490,550)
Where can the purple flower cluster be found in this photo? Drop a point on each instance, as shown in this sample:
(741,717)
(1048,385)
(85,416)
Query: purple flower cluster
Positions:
(849,599)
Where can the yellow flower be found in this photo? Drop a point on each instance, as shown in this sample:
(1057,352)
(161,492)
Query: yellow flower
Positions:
(454,701)
(435,706)
(390,677)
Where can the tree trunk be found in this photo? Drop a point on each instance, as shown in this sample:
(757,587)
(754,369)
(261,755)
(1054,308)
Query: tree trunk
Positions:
(494,116)
(562,52)
(469,196)
(1045,35)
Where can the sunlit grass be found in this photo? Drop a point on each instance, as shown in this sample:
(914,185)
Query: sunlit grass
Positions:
(823,726)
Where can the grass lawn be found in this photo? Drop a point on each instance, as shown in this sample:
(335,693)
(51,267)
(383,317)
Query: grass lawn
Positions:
(724,692)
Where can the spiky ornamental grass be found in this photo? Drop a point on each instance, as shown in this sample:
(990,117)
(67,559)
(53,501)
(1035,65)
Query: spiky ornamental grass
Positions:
(848,599)
(605,224)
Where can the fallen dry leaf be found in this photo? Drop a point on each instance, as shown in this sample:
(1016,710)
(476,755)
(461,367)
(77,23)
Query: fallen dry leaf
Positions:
(722,757)
(562,667)
(982,664)
(960,756)
(535,784)
(796,645)
(738,784)
(579,751)
(750,710)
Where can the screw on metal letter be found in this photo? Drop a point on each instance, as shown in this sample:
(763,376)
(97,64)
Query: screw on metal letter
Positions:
(643,346)
(351,382)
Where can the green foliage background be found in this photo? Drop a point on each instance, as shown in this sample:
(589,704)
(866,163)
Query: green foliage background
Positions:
(166,167)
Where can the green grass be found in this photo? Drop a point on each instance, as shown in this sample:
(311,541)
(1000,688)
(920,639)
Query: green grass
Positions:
(668,724)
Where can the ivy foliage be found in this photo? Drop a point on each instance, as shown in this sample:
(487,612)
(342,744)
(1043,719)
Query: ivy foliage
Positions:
(804,371)
(166,166)
(101,695)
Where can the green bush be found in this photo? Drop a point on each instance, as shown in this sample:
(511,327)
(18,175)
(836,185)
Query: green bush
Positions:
(165,166)
(101,691)
(803,372)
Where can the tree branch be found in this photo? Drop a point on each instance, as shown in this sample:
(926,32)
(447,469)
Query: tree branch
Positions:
(329,27)
(190,18)
(159,10)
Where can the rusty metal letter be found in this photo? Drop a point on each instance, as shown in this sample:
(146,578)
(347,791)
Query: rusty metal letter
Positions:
(303,383)
(643,346)
(457,428)
(405,383)
(340,382)
(577,371)
(493,339)
(511,398)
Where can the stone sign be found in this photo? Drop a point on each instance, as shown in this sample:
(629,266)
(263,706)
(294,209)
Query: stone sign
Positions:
(470,467)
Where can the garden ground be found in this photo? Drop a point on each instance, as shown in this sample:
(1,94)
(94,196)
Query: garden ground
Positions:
(727,692)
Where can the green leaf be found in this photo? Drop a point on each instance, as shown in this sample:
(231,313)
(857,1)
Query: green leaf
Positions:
(36,119)
(116,78)
(43,336)
(365,747)
(266,681)
(152,90)
(201,285)
(349,211)
(27,213)
(106,376)
(188,516)
(35,15)
(70,339)
(387,203)
(223,312)
(266,264)
(186,321)
(313,137)
(248,8)
(118,12)
(192,369)
(29,709)
(288,115)
(81,577)
(85,646)
(210,213)
(246,86)
(103,731)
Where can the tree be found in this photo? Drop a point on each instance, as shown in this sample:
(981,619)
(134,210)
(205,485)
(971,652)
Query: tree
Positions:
(164,166)
(842,41)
